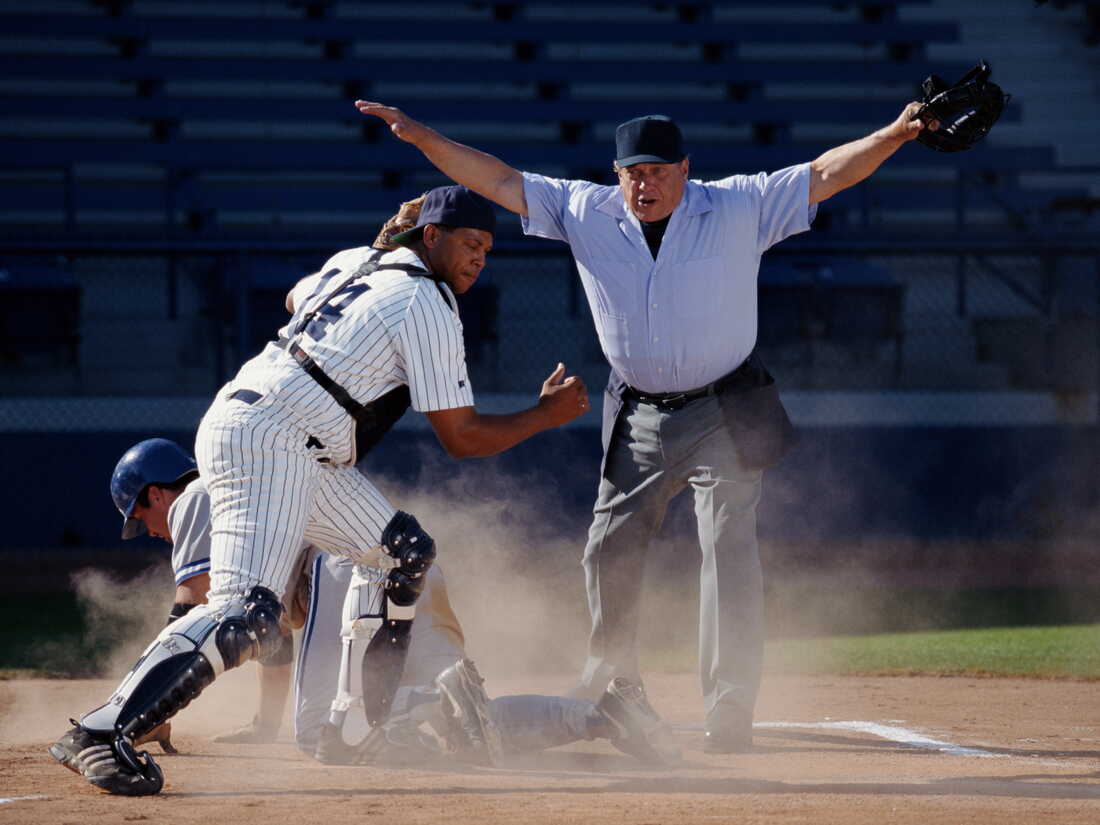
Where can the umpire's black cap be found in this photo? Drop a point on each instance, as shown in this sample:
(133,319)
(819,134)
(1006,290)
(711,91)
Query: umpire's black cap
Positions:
(452,206)
(648,139)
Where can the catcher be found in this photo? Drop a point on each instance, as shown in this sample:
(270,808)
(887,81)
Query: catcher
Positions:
(157,490)
(156,482)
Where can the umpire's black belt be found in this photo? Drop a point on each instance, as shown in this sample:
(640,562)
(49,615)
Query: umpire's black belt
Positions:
(741,378)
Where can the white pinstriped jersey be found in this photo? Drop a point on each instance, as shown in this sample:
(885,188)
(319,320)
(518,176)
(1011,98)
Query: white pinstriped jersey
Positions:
(189,527)
(377,333)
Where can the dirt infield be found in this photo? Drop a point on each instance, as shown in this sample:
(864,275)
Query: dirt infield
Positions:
(828,749)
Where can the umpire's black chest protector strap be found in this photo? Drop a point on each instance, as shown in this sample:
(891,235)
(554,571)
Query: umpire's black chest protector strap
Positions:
(376,418)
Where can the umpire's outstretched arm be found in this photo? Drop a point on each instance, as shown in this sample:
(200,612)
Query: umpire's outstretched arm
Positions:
(848,164)
(485,174)
(832,172)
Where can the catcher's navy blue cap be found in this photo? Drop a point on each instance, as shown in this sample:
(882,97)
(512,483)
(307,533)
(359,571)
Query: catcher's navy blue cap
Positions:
(452,206)
(153,461)
(648,139)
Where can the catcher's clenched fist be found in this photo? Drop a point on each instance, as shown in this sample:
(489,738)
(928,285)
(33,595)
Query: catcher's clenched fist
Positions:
(563,398)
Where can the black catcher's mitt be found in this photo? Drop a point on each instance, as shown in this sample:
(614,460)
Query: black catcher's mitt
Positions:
(966,111)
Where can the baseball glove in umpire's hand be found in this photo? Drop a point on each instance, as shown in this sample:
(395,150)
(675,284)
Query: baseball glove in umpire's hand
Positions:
(965,112)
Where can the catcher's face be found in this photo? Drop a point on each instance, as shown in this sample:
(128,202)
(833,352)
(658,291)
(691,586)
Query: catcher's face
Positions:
(155,513)
(653,190)
(457,255)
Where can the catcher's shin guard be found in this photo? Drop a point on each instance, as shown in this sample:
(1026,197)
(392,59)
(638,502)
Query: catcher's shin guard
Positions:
(186,657)
(378,616)
(405,541)
(384,660)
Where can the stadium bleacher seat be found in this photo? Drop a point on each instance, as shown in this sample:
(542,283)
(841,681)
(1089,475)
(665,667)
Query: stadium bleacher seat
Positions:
(805,302)
(192,91)
(862,307)
(786,308)
(39,315)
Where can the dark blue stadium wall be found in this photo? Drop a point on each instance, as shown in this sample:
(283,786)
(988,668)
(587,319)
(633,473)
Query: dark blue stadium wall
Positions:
(838,484)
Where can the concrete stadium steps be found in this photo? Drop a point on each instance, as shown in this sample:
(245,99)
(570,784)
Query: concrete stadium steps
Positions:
(1033,50)
(144,32)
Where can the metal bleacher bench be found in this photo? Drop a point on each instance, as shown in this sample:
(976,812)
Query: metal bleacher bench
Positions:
(516,30)
(365,71)
(39,314)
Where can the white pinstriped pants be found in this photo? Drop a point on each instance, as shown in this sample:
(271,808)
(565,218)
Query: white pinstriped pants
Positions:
(268,492)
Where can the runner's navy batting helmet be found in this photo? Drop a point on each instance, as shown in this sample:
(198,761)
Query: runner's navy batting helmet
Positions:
(153,461)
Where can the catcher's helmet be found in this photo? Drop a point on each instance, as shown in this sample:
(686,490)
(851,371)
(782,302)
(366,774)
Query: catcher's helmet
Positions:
(153,461)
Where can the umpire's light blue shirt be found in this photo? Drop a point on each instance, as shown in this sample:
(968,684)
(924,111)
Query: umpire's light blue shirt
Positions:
(689,317)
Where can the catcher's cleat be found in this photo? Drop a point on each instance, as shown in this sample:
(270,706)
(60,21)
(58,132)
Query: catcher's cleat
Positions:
(96,759)
(636,722)
(469,729)
(333,750)
(251,734)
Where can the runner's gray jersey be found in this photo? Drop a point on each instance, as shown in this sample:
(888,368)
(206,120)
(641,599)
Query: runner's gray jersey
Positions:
(189,528)
(377,333)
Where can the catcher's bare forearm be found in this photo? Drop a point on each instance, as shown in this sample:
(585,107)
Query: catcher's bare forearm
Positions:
(846,165)
(466,433)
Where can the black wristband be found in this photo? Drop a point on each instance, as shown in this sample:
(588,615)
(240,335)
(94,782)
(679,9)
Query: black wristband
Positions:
(179,610)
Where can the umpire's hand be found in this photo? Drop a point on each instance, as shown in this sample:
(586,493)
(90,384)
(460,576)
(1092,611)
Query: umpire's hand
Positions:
(908,125)
(403,126)
(563,398)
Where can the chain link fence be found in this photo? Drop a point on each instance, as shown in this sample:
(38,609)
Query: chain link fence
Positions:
(936,325)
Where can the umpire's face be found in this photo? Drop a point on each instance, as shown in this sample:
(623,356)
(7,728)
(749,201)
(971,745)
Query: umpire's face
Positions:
(456,255)
(653,190)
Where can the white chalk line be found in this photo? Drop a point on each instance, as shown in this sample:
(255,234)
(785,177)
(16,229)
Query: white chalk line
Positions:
(904,736)
(892,733)
(4,799)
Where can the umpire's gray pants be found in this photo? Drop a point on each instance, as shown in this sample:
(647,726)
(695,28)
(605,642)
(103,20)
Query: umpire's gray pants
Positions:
(652,456)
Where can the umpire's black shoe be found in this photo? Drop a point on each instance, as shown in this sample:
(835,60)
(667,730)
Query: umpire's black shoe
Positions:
(729,732)
(94,758)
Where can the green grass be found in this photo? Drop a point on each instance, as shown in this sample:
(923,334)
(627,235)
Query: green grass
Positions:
(45,635)
(1058,652)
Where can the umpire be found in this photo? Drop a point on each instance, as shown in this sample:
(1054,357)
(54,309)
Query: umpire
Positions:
(670,268)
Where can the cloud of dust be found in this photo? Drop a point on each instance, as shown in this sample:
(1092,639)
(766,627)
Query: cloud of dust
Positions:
(121,616)
(851,554)
(511,560)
